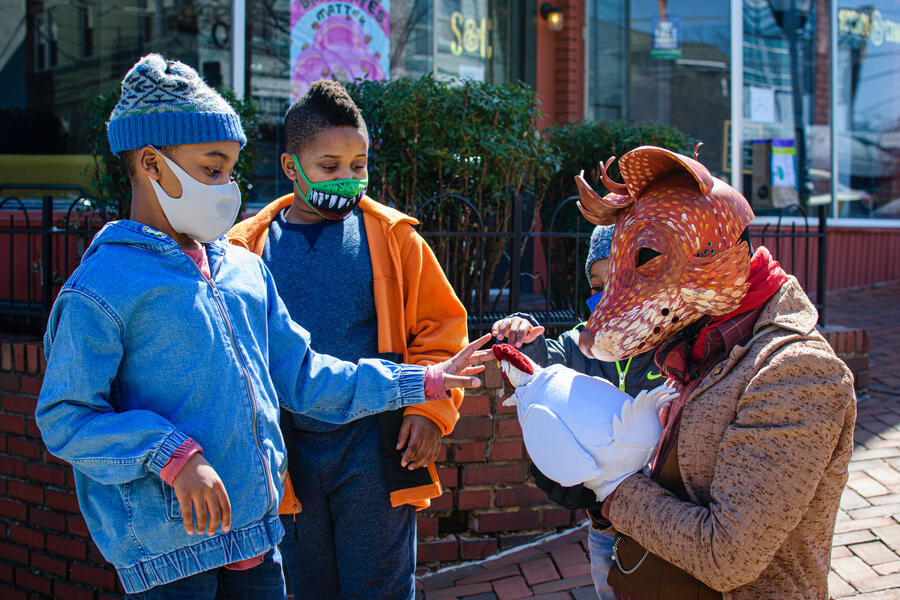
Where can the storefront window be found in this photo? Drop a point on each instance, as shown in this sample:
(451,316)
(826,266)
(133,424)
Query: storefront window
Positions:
(868,111)
(786,131)
(662,61)
(294,42)
(470,36)
(57,54)
(607,64)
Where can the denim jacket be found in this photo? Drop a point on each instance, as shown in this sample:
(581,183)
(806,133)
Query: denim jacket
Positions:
(143,353)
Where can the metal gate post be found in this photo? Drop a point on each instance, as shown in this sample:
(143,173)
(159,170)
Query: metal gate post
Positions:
(515,268)
(46,254)
(820,267)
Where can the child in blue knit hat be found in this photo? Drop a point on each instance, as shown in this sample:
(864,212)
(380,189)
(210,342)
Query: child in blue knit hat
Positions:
(168,350)
(633,375)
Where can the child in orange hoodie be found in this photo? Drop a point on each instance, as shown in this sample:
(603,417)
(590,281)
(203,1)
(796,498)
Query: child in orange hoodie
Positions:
(365,284)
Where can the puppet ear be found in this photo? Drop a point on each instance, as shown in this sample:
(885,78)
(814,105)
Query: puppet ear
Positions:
(648,164)
(597,210)
(715,285)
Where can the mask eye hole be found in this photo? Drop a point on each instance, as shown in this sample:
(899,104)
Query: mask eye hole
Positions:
(645,255)
(649,262)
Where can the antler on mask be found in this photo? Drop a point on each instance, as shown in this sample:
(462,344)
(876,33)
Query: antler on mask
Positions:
(597,210)
(676,253)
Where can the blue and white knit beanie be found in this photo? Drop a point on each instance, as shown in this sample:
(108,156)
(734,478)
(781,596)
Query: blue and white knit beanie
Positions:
(167,103)
(601,241)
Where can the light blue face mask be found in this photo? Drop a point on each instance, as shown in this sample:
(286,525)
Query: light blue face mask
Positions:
(594,300)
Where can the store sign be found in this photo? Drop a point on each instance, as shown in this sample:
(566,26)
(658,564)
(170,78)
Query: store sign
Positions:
(868,24)
(666,39)
(784,155)
(470,36)
(338,40)
(464,44)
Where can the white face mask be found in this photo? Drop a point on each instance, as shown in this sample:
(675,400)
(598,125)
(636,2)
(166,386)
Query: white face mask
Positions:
(204,212)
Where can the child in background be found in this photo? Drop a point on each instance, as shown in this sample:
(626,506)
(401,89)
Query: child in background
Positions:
(633,375)
(168,350)
(357,275)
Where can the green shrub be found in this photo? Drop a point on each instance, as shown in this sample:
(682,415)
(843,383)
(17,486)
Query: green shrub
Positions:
(474,139)
(582,145)
(108,177)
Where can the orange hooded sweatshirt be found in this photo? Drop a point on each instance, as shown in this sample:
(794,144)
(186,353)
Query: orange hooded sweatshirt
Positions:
(419,316)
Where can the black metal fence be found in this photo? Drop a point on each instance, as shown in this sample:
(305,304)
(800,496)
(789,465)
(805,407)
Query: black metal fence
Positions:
(800,246)
(554,288)
(44,240)
(535,269)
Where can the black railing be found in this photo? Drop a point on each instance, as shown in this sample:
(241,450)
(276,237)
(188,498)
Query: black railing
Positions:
(44,239)
(791,242)
(791,238)
(541,272)
(485,302)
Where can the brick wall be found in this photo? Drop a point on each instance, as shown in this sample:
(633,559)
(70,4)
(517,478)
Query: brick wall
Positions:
(45,549)
(489,502)
(559,57)
(569,63)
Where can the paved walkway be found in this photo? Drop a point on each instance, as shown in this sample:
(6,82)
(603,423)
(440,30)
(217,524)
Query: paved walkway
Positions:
(866,554)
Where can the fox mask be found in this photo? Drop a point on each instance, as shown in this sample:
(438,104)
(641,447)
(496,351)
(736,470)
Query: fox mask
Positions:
(676,252)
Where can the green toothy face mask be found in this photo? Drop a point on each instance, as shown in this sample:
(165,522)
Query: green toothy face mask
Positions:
(331,199)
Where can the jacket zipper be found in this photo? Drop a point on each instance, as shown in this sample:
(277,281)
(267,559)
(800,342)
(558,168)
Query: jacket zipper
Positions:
(215,290)
(623,374)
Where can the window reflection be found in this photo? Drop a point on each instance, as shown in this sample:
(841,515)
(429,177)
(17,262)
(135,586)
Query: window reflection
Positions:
(677,68)
(868,113)
(607,48)
(469,39)
(59,53)
(786,94)
(470,42)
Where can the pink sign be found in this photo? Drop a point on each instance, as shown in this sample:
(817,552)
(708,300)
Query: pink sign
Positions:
(338,40)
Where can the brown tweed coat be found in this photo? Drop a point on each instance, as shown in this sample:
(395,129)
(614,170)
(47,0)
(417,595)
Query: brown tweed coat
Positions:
(763,449)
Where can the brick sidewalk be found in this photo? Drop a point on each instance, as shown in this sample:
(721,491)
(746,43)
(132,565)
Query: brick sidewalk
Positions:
(866,554)
(865,560)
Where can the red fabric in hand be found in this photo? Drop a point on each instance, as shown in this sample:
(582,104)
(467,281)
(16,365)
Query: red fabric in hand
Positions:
(514,358)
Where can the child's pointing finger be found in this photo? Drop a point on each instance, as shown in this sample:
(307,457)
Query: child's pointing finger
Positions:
(455,381)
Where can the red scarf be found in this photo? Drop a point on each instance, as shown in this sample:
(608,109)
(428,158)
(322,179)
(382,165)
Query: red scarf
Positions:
(766,277)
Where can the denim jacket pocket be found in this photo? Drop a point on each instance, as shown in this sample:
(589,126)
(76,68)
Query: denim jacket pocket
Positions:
(173,508)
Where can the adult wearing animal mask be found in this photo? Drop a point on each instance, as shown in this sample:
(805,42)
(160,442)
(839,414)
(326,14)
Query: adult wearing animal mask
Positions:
(631,375)
(744,489)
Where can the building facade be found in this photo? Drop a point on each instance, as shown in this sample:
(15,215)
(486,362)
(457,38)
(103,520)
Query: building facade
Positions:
(771,87)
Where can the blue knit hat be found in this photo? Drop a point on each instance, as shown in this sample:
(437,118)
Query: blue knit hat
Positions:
(601,241)
(166,103)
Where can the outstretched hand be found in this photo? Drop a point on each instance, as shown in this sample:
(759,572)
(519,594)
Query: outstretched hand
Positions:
(517,330)
(465,363)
